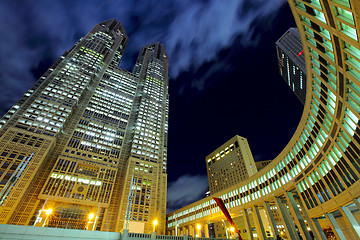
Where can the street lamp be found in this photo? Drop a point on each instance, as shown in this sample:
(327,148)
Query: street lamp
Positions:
(155,222)
(91,216)
(48,212)
(198,226)
(232,230)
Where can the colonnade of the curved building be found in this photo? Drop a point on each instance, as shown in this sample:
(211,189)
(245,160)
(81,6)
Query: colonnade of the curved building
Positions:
(315,179)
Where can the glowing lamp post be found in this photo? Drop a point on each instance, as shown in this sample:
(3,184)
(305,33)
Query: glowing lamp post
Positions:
(198,226)
(91,216)
(48,212)
(232,230)
(155,222)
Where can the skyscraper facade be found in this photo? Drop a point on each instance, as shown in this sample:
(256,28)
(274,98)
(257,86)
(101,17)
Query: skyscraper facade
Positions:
(230,164)
(85,147)
(227,166)
(292,62)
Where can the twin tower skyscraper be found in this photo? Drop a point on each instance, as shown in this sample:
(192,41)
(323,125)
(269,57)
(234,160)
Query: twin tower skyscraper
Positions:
(86,146)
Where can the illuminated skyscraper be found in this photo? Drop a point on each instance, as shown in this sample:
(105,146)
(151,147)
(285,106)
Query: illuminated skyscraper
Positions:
(85,147)
(292,62)
(227,166)
(230,164)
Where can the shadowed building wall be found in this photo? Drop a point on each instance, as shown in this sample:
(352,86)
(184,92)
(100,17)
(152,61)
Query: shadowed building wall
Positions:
(291,62)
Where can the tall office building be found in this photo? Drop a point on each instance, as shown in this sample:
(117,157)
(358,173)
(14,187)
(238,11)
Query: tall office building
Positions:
(230,164)
(292,62)
(85,147)
(262,164)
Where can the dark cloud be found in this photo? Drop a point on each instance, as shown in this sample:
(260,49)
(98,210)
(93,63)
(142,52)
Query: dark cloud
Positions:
(185,190)
(193,32)
(202,28)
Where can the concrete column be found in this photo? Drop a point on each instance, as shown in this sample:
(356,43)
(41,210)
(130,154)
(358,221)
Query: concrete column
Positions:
(270,214)
(206,230)
(191,231)
(297,215)
(335,226)
(318,229)
(313,223)
(185,237)
(125,234)
(349,217)
(153,235)
(288,223)
(247,225)
(357,202)
(259,226)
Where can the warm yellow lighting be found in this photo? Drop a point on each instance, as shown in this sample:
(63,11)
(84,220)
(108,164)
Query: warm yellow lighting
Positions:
(198,226)
(91,216)
(48,211)
(232,229)
(155,222)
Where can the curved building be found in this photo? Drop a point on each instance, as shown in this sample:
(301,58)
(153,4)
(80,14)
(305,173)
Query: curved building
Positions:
(312,188)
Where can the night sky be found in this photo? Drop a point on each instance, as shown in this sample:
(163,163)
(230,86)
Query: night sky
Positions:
(224,77)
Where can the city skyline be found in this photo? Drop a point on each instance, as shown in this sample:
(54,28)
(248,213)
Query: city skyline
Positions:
(200,89)
(87,147)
